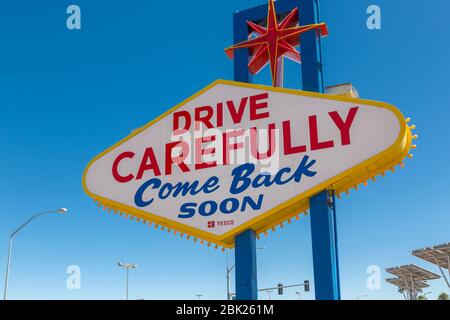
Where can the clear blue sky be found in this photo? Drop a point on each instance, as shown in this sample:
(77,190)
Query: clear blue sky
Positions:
(67,95)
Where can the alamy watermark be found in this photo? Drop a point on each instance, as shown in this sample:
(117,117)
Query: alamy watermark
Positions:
(73,281)
(73,21)
(373,282)
(374,18)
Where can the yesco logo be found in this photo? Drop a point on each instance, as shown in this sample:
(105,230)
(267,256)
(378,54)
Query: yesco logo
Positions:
(244,153)
(213,224)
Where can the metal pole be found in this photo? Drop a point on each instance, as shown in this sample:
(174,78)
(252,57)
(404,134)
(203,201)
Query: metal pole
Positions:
(448,264)
(408,290)
(229,269)
(245,243)
(127,284)
(338,280)
(413,288)
(442,271)
(229,295)
(228,284)
(228,277)
(311,49)
(245,256)
(7,267)
(324,247)
(241,58)
(323,217)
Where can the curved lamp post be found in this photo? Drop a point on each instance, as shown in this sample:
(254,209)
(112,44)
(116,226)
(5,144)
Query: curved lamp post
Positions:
(61,210)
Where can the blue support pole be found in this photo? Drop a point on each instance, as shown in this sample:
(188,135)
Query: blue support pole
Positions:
(245,243)
(246,275)
(322,206)
(333,195)
(241,57)
(324,243)
(310,48)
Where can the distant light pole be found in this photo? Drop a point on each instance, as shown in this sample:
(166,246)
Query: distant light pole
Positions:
(127,266)
(199,296)
(8,263)
(361,296)
(229,269)
(299,295)
(269,292)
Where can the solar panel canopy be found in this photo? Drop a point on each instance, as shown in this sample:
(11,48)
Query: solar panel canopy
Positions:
(405,284)
(411,271)
(438,255)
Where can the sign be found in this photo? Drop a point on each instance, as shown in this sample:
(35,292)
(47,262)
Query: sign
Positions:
(239,156)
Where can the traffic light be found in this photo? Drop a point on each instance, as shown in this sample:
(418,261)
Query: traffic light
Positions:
(280,289)
(306,285)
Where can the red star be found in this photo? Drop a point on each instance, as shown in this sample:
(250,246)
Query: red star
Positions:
(274,42)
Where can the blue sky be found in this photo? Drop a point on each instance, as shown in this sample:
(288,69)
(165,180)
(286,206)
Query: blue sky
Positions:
(67,95)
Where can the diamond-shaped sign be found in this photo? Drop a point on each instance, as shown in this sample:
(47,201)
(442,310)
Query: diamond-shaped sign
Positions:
(238,156)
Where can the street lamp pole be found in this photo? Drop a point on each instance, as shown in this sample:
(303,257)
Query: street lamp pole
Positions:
(8,263)
(229,269)
(7,267)
(128,272)
(127,267)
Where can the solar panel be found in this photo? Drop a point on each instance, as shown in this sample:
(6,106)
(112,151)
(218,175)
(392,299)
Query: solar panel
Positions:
(413,272)
(405,284)
(438,255)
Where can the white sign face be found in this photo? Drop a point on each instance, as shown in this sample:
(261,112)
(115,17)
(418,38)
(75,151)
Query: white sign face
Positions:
(237,156)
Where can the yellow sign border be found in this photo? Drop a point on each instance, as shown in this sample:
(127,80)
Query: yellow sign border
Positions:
(352,177)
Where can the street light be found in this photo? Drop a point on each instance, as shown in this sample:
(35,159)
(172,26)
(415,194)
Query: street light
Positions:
(299,295)
(361,296)
(229,269)
(199,296)
(11,236)
(127,266)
